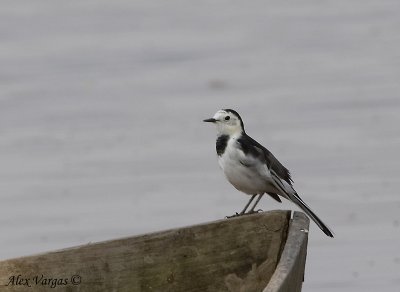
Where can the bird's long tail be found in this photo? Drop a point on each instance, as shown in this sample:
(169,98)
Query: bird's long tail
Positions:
(303,206)
(295,198)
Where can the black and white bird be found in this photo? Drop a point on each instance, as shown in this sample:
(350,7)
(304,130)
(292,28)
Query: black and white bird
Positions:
(251,168)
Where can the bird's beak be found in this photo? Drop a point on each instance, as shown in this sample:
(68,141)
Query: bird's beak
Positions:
(212,120)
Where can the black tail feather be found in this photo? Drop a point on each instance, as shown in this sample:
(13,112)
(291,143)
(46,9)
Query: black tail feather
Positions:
(295,198)
(299,202)
(276,197)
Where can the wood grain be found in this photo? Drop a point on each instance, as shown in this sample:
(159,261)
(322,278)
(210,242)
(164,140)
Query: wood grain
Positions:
(238,254)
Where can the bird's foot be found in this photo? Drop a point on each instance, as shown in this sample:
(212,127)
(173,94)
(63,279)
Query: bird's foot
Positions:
(242,214)
(234,215)
(253,212)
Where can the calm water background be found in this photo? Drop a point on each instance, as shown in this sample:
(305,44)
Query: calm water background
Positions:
(101,136)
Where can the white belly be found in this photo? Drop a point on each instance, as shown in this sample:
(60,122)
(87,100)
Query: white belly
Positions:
(250,179)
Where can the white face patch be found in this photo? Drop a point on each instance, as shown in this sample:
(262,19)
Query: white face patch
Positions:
(227,123)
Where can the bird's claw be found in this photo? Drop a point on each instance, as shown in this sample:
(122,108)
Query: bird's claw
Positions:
(241,214)
(233,216)
(253,212)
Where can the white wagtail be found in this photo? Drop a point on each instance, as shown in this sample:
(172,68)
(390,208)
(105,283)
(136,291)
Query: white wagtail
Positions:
(251,168)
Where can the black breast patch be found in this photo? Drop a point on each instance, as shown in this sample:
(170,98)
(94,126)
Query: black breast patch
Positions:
(220,146)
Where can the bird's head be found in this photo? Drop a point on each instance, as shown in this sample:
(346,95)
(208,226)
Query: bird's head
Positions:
(228,122)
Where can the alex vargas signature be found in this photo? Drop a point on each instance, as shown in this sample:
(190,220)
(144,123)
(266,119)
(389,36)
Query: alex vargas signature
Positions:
(43,281)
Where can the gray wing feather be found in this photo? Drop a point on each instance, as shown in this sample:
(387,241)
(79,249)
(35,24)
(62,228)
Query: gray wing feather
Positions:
(251,146)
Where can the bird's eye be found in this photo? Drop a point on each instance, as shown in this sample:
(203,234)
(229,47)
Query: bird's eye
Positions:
(227,118)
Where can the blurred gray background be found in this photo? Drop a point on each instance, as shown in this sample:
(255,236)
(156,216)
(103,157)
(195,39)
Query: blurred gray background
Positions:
(101,104)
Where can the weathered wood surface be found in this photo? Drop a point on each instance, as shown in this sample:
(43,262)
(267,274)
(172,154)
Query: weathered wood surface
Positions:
(289,274)
(236,255)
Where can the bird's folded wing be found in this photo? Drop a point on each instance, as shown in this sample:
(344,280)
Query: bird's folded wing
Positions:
(252,147)
(285,191)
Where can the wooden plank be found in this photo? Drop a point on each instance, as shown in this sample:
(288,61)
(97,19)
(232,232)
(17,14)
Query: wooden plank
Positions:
(289,274)
(238,254)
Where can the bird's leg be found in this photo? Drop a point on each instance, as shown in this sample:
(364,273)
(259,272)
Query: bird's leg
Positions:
(244,209)
(247,205)
(255,204)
